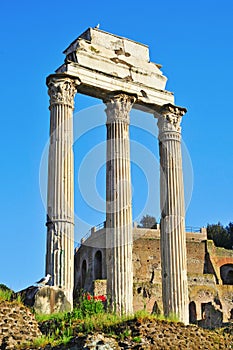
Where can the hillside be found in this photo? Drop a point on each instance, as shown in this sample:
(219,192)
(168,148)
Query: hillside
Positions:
(147,333)
(102,331)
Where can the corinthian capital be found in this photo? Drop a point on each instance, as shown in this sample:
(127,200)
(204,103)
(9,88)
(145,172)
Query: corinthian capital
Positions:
(118,107)
(169,118)
(61,90)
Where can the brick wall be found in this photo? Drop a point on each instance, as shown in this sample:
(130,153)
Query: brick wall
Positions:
(203,266)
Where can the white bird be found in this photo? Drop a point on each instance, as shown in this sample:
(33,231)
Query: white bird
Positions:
(44,280)
(97,26)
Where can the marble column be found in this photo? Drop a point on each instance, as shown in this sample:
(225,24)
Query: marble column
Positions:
(173,236)
(60,195)
(119,204)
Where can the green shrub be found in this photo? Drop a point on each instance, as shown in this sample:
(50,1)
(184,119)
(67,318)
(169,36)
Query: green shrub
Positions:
(5,294)
(60,325)
(87,316)
(4,287)
(88,306)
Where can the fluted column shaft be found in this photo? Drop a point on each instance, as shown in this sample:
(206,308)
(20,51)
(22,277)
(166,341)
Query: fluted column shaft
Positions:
(60,196)
(173,236)
(119,204)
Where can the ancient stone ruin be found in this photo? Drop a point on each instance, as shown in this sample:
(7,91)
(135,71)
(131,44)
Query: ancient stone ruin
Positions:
(209,272)
(17,325)
(119,72)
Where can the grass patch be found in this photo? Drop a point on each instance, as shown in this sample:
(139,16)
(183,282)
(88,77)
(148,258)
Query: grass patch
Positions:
(125,334)
(71,324)
(88,316)
(5,295)
(143,315)
(106,322)
(60,328)
(55,316)
(170,318)
(42,341)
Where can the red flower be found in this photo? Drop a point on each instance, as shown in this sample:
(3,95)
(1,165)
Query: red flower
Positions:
(100,297)
(96,297)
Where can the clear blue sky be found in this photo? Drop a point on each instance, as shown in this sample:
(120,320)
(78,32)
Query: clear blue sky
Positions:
(193,40)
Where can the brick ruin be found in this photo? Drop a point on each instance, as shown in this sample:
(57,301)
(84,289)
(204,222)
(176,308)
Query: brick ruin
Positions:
(209,269)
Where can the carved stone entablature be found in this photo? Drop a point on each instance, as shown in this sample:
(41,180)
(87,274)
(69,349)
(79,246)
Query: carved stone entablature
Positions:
(169,118)
(118,107)
(61,90)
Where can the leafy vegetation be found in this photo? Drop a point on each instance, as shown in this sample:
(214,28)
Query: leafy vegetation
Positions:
(4,287)
(42,341)
(222,236)
(85,307)
(5,294)
(59,328)
(89,315)
(148,221)
(137,339)
(143,314)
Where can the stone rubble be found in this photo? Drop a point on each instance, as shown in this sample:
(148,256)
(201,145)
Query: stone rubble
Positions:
(17,325)
(152,334)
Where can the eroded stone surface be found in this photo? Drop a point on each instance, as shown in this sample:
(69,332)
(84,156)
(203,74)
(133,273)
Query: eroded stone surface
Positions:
(204,261)
(152,334)
(17,325)
(50,300)
(45,300)
(105,63)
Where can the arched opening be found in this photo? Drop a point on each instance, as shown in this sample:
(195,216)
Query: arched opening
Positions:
(230,277)
(98,265)
(83,273)
(211,317)
(226,272)
(192,312)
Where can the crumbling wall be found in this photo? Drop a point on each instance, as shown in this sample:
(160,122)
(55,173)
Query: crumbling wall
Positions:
(225,293)
(17,325)
(100,287)
(218,257)
(195,256)
(146,260)
(148,296)
(84,277)
(210,303)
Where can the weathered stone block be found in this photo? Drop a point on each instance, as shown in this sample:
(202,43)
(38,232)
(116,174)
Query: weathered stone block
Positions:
(100,287)
(45,300)
(51,300)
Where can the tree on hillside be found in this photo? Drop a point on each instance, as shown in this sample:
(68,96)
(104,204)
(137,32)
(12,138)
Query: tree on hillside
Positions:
(230,232)
(148,221)
(220,235)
